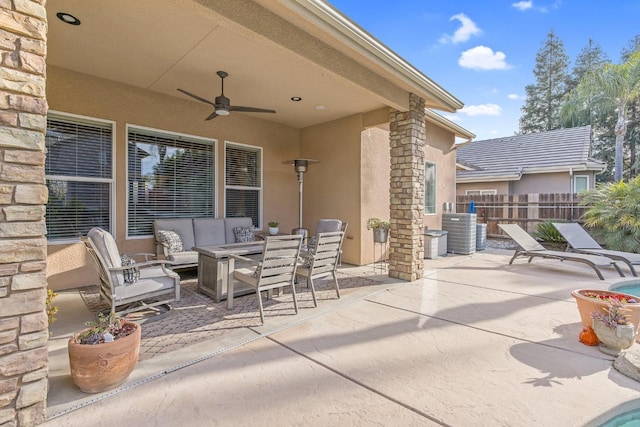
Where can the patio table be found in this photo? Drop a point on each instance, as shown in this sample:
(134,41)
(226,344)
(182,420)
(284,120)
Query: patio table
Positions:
(213,268)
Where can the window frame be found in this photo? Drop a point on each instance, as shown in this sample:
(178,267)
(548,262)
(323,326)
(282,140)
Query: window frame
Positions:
(163,132)
(62,116)
(481,192)
(260,189)
(435,191)
(575,179)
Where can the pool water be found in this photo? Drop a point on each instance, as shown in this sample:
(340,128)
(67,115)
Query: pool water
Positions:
(628,419)
(631,287)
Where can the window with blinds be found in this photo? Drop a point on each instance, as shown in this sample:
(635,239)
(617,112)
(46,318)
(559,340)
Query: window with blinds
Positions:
(169,176)
(429,188)
(79,175)
(243,182)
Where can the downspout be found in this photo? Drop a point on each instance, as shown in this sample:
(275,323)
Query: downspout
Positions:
(571,191)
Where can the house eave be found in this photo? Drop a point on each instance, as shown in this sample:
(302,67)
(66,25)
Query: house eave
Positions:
(447,124)
(366,45)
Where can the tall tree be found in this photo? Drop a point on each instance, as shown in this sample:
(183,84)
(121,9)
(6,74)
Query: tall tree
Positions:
(633,131)
(603,140)
(613,87)
(541,110)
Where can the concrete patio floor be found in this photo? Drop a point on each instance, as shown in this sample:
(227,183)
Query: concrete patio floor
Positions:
(475,342)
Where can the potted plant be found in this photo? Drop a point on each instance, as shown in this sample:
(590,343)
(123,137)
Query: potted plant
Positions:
(612,325)
(103,355)
(380,229)
(273,227)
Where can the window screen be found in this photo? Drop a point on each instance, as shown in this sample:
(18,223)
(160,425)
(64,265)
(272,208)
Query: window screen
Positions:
(243,182)
(429,188)
(78,171)
(169,176)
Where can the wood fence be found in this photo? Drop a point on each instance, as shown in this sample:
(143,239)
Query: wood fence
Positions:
(526,210)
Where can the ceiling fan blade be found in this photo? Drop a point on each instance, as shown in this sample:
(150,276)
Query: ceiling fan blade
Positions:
(199,98)
(250,109)
(212,116)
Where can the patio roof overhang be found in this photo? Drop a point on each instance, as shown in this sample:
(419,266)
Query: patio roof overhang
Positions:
(272,50)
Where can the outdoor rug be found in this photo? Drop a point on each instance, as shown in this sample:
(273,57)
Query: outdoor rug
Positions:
(196,317)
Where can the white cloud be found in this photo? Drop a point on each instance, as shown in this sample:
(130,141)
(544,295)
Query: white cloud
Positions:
(514,96)
(464,33)
(523,5)
(481,110)
(483,58)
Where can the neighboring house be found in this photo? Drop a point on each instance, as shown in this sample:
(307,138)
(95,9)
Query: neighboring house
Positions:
(557,161)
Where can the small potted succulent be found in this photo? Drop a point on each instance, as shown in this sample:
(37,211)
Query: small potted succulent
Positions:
(103,355)
(612,325)
(273,227)
(380,229)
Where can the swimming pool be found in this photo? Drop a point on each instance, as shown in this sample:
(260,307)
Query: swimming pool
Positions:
(631,287)
(628,419)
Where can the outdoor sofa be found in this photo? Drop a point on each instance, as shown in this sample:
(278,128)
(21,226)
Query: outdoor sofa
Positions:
(176,237)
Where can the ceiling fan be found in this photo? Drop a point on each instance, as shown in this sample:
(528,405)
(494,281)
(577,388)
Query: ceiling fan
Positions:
(222,104)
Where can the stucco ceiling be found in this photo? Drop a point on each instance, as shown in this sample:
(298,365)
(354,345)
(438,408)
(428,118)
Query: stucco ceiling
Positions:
(162,45)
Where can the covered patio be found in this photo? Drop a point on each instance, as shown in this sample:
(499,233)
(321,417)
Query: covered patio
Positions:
(475,339)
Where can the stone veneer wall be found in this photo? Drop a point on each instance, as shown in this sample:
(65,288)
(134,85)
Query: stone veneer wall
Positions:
(406,240)
(23,195)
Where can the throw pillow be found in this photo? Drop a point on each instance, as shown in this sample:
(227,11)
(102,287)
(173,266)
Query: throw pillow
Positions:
(243,234)
(172,240)
(131,275)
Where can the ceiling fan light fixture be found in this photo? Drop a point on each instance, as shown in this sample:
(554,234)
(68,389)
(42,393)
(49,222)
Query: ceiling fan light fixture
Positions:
(222,112)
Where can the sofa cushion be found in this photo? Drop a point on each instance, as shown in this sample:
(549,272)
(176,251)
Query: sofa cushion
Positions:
(184,258)
(172,240)
(209,231)
(231,223)
(183,226)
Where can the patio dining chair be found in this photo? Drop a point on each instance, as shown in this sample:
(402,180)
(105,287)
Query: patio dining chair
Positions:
(276,270)
(322,260)
(134,287)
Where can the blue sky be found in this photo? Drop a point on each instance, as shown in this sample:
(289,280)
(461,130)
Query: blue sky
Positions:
(483,51)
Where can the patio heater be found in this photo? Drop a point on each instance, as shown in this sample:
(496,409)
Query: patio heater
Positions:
(300,166)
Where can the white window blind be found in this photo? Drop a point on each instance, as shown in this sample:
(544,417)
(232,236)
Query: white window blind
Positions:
(78,171)
(243,182)
(429,188)
(169,176)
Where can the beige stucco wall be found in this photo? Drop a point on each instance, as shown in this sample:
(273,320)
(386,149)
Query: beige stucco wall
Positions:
(556,182)
(69,265)
(439,150)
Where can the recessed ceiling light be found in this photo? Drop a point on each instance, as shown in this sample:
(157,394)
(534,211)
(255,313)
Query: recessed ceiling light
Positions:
(68,18)
(296,98)
(320,107)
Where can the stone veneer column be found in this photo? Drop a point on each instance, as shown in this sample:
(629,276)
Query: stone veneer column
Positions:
(23,195)
(406,240)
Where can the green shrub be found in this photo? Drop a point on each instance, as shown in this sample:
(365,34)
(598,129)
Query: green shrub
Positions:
(546,232)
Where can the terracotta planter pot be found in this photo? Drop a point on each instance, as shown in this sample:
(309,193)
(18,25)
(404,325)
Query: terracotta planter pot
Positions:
(587,305)
(100,367)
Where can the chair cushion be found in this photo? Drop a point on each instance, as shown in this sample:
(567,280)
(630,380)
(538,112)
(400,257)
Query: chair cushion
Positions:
(172,240)
(106,247)
(182,258)
(243,234)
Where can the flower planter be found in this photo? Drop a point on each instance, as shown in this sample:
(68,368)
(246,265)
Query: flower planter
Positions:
(587,305)
(380,235)
(614,341)
(274,230)
(101,367)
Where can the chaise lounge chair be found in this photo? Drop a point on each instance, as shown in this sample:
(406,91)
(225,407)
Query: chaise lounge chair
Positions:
(529,247)
(581,241)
